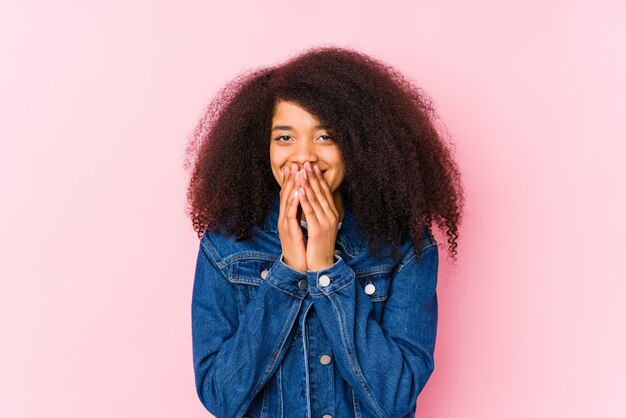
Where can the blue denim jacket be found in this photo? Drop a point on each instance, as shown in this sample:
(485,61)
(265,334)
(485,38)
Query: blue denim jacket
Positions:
(355,339)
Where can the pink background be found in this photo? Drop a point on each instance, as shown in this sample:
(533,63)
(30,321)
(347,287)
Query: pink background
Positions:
(97,257)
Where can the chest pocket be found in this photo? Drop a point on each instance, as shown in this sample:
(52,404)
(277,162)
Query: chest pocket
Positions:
(247,274)
(375,283)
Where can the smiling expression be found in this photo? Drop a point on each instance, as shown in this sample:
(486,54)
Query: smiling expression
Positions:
(297,137)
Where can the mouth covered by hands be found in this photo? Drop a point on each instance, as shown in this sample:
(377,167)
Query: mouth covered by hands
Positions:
(322,217)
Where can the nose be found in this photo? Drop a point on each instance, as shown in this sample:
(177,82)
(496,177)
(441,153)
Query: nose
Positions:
(302,152)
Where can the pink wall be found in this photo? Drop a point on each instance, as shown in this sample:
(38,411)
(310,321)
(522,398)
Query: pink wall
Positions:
(97,257)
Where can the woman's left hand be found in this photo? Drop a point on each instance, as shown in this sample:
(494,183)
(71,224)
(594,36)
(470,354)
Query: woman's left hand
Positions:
(322,217)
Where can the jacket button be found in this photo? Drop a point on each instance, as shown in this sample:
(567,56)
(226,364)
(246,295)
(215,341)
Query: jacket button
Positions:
(324,280)
(264,274)
(370,289)
(325,359)
(302,284)
(327,416)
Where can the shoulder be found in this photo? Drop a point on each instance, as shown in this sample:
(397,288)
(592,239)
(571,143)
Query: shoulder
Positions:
(408,250)
(224,249)
(388,260)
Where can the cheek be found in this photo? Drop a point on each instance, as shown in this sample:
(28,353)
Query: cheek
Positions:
(277,175)
(340,177)
(333,179)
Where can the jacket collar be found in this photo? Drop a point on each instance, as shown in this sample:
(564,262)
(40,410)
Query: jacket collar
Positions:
(348,235)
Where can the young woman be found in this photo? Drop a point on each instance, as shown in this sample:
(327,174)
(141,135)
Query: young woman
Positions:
(313,189)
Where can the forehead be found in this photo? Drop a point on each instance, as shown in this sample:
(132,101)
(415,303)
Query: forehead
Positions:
(286,110)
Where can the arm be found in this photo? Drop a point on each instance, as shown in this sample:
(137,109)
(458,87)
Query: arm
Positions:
(235,355)
(387,364)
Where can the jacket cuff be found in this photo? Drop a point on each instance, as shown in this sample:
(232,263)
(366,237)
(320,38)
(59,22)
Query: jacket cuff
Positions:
(331,278)
(288,279)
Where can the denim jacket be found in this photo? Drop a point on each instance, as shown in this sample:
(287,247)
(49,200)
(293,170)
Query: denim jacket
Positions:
(355,339)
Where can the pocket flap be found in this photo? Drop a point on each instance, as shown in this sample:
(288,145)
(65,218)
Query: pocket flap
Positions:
(250,270)
(375,283)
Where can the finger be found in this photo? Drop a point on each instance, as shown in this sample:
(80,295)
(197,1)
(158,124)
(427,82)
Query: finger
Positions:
(326,189)
(292,208)
(285,171)
(286,192)
(323,207)
(307,208)
(310,196)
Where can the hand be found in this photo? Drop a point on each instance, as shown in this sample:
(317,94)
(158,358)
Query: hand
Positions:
(322,217)
(289,230)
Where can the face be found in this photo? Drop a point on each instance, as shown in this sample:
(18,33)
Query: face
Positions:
(297,137)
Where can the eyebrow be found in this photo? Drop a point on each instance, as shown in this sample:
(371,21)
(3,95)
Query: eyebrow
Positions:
(290,128)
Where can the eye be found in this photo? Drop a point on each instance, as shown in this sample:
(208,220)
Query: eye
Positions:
(278,138)
(282,136)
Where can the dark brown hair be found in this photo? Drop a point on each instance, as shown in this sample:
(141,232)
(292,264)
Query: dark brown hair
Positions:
(400,174)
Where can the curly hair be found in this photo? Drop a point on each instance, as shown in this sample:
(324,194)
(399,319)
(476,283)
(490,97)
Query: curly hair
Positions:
(399,173)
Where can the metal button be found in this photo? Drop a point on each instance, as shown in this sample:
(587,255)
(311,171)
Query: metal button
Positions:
(337,252)
(327,416)
(324,280)
(303,284)
(325,359)
(264,274)
(370,289)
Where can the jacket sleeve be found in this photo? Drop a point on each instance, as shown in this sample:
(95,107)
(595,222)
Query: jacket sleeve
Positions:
(386,363)
(235,355)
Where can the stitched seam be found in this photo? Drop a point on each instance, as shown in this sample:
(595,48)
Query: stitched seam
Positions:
(411,256)
(357,410)
(209,254)
(339,288)
(285,291)
(273,358)
(280,390)
(374,270)
(305,343)
(359,377)
(266,400)
(250,255)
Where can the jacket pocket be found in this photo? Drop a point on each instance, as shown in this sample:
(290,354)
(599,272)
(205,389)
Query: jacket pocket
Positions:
(375,284)
(247,274)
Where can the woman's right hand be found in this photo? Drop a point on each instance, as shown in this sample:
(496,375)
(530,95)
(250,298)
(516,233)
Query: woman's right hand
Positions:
(291,236)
